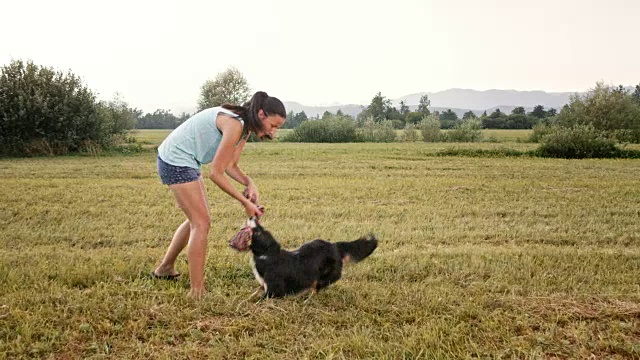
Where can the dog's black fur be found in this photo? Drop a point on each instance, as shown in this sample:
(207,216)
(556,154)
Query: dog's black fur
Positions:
(313,266)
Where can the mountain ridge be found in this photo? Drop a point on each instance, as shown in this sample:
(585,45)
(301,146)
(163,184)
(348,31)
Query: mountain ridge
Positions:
(459,100)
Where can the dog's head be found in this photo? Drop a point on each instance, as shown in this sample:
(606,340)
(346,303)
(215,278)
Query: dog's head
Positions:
(262,242)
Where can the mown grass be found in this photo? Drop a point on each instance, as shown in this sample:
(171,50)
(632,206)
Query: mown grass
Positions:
(156,136)
(507,257)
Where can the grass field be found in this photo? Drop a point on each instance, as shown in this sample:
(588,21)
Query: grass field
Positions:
(478,258)
(156,136)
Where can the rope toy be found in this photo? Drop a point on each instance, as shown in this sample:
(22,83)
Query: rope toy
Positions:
(241,240)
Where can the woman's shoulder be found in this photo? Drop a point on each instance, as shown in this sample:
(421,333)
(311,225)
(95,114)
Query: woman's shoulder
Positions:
(220,110)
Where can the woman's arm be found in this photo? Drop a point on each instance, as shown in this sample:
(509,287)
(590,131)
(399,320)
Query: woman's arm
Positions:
(234,171)
(232,131)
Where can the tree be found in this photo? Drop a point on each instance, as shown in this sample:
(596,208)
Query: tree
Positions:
(496,114)
(160,119)
(414,117)
(118,116)
(229,86)
(294,120)
(391,113)
(404,109)
(636,95)
(605,108)
(518,111)
(538,111)
(448,119)
(44,111)
(362,116)
(518,121)
(620,89)
(497,120)
(423,107)
(552,112)
(469,115)
(378,107)
(449,115)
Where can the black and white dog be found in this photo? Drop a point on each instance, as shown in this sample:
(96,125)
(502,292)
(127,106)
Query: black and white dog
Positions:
(313,266)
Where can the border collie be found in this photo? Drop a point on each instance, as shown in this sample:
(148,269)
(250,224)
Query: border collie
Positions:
(312,267)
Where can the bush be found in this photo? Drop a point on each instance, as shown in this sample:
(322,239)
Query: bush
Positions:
(481,152)
(376,132)
(468,131)
(539,131)
(577,142)
(330,130)
(430,128)
(605,108)
(410,133)
(397,124)
(46,112)
(627,135)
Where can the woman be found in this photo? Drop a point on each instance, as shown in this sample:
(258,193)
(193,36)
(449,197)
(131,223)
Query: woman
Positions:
(216,135)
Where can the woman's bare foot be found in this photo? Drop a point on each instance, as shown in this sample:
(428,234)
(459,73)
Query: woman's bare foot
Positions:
(161,271)
(197,294)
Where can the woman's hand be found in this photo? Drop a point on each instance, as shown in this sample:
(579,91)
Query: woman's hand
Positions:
(251,193)
(252,209)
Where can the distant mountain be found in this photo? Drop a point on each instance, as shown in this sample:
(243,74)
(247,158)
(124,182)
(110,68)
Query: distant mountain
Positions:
(350,109)
(458,100)
(484,100)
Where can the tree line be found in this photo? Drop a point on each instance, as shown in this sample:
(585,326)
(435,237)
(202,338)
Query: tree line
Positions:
(45,111)
(380,110)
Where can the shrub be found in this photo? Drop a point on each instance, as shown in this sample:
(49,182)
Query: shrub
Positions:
(577,142)
(606,108)
(539,131)
(430,128)
(469,130)
(504,152)
(410,133)
(47,112)
(376,132)
(329,130)
(397,124)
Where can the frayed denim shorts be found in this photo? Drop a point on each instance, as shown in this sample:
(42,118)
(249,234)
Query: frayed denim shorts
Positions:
(171,174)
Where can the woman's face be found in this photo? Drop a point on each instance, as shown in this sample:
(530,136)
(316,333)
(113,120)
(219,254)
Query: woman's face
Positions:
(270,123)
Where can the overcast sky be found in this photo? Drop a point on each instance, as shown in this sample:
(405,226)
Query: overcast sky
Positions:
(157,53)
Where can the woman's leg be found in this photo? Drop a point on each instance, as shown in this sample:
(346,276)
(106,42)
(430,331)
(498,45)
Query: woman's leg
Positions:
(179,241)
(192,199)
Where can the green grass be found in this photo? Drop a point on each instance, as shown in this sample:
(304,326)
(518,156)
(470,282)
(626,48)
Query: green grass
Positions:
(156,136)
(507,135)
(505,257)
(494,135)
(150,137)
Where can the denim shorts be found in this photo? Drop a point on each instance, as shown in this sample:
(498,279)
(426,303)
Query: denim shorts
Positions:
(171,174)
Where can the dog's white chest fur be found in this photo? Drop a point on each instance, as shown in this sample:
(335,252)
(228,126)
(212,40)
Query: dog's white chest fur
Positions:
(257,275)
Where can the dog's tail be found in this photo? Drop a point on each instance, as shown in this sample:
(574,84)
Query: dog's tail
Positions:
(357,250)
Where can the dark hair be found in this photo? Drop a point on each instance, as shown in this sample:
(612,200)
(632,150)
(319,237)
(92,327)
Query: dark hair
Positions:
(249,111)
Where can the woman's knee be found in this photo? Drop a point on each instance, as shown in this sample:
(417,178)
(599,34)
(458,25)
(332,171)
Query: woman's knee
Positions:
(202,223)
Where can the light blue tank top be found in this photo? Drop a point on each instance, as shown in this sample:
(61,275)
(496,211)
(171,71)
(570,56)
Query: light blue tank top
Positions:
(195,141)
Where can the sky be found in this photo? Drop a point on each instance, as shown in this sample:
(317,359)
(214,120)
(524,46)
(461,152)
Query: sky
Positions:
(157,54)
